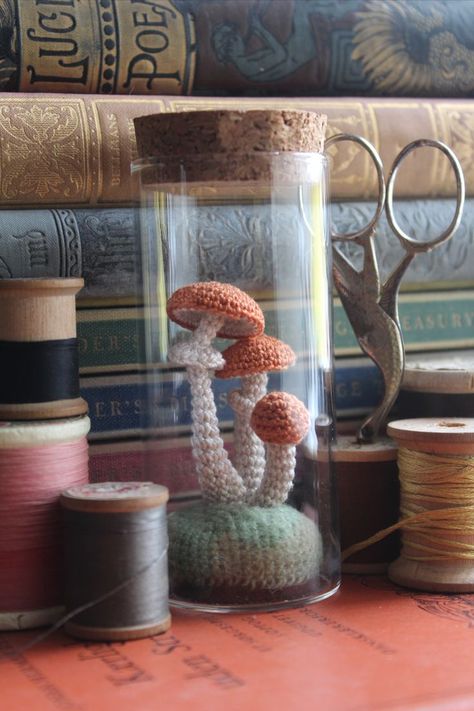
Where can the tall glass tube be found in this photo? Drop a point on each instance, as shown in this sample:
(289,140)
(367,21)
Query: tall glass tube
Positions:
(236,262)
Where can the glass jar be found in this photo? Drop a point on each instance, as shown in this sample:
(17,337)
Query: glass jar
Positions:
(236,264)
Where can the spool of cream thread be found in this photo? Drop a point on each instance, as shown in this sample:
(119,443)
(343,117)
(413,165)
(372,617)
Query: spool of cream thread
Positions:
(438,385)
(37,461)
(116,567)
(37,342)
(437,504)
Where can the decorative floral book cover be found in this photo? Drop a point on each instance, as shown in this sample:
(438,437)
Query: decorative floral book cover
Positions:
(371,647)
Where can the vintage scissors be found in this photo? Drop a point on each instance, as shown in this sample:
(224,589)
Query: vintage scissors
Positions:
(372,306)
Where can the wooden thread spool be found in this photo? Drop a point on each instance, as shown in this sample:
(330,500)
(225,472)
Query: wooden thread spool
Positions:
(37,461)
(116,573)
(436,469)
(441,385)
(38,349)
(368,490)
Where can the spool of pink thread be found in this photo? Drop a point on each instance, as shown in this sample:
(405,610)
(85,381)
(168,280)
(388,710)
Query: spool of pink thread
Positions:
(38,460)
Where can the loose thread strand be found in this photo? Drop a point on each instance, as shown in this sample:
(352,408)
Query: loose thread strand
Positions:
(427,480)
(88,605)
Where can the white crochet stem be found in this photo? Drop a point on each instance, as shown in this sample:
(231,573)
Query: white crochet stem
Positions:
(278,476)
(218,479)
(206,330)
(249,450)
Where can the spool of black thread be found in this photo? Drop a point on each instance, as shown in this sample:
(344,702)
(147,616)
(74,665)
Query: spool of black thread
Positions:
(38,349)
(116,568)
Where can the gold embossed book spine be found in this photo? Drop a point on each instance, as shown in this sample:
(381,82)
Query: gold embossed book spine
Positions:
(97,47)
(71,150)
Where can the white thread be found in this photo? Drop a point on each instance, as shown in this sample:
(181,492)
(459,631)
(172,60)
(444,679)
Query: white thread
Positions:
(218,478)
(249,457)
(278,476)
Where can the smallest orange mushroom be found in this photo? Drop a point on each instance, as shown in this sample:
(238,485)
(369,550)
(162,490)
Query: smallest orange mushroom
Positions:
(251,359)
(280,418)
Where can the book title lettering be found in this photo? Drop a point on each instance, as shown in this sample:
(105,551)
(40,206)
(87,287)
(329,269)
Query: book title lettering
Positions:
(151,37)
(53,30)
(131,45)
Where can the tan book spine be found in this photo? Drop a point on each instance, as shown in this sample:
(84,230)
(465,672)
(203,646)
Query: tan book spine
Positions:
(97,46)
(76,150)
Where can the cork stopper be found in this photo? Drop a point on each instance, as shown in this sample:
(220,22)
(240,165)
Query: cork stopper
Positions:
(238,141)
(191,132)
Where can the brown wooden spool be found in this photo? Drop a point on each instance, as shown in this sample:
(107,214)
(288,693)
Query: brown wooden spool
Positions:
(368,490)
(39,310)
(447,436)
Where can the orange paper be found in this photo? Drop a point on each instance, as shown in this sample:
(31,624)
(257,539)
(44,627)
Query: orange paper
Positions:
(373,646)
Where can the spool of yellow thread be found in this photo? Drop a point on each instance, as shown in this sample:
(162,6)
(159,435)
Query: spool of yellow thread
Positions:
(436,471)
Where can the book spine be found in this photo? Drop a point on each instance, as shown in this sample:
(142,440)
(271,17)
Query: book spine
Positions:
(167,461)
(117,461)
(123,405)
(97,46)
(447,266)
(72,151)
(429,321)
(102,245)
(111,339)
(281,47)
(345,47)
(114,339)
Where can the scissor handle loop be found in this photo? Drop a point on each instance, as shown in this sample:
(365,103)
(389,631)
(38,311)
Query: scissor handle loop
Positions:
(350,236)
(415,246)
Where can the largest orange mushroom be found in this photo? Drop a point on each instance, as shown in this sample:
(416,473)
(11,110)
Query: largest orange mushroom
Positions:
(232,312)
(211,309)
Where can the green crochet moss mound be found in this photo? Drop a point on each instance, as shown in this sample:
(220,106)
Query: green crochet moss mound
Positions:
(214,545)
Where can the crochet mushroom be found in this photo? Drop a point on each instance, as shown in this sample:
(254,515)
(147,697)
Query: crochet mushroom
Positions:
(281,421)
(210,309)
(232,311)
(252,359)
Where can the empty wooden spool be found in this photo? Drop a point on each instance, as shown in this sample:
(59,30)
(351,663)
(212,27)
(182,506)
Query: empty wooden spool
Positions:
(368,491)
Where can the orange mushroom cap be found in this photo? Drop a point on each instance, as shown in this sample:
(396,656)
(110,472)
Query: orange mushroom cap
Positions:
(244,317)
(280,418)
(258,354)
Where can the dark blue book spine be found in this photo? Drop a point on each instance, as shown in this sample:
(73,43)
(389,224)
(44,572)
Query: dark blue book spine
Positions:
(125,405)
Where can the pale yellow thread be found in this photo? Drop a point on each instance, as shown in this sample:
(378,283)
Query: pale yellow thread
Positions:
(436,504)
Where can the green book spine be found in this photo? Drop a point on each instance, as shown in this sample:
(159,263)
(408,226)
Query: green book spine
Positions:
(113,339)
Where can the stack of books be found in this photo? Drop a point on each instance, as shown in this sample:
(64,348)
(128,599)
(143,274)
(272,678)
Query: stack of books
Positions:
(73,77)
